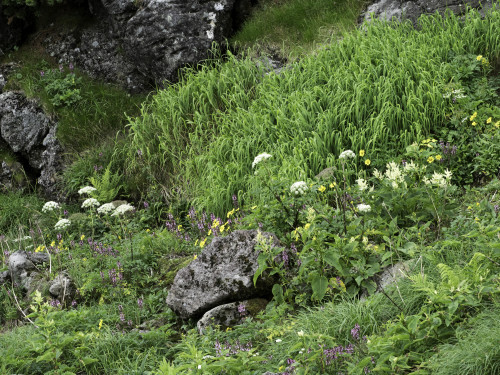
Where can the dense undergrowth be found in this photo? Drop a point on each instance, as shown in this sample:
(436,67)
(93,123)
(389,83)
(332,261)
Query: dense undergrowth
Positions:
(407,121)
(380,89)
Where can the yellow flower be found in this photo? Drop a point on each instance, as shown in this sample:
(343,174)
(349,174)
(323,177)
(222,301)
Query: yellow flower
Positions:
(473,116)
(209,232)
(254,207)
(438,157)
(230,213)
(321,189)
(53,243)
(228,329)
(100,324)
(307,226)
(474,123)
(497,124)
(195,257)
(489,120)
(479,57)
(333,184)
(148,230)
(361,152)
(202,243)
(430,159)
(368,161)
(84,259)
(82,237)
(222,227)
(216,223)
(469,208)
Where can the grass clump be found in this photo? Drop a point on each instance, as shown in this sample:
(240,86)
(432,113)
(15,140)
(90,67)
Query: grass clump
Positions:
(295,27)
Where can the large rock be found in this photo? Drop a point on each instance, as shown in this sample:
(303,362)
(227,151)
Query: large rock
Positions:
(23,266)
(30,134)
(12,29)
(62,288)
(411,10)
(223,273)
(141,43)
(231,314)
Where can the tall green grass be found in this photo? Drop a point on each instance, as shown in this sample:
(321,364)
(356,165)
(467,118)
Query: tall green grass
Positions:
(294,27)
(379,89)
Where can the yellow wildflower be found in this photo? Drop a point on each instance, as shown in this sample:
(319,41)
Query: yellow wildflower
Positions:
(100,324)
(195,257)
(361,152)
(438,157)
(479,58)
(430,159)
(222,227)
(53,243)
(469,208)
(474,123)
(82,237)
(230,213)
(489,120)
(473,116)
(216,223)
(368,162)
(202,243)
(333,184)
(148,230)
(307,226)
(321,189)
(254,207)
(209,232)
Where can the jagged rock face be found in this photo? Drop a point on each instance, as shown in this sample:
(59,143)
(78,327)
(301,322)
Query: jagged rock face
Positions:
(411,10)
(223,273)
(30,134)
(142,43)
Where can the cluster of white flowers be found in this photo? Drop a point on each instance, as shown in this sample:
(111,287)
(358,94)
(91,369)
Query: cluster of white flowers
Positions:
(394,175)
(364,207)
(298,188)
(90,203)
(50,206)
(457,94)
(62,224)
(106,208)
(86,190)
(347,154)
(123,209)
(439,179)
(25,238)
(259,158)
(362,184)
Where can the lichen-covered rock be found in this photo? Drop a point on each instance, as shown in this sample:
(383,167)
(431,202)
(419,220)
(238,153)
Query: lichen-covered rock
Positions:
(411,10)
(142,43)
(231,314)
(23,266)
(223,273)
(62,288)
(30,134)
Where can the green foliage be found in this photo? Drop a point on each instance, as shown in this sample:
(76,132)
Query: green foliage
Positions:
(18,210)
(107,185)
(61,87)
(359,93)
(295,27)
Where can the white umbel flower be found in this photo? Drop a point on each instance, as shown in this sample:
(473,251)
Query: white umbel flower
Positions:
(364,207)
(106,208)
(259,158)
(347,154)
(62,224)
(298,188)
(86,190)
(90,203)
(123,209)
(50,206)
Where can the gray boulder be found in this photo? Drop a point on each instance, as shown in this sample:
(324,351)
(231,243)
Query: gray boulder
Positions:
(23,266)
(62,288)
(411,10)
(140,44)
(30,134)
(3,82)
(223,273)
(231,314)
